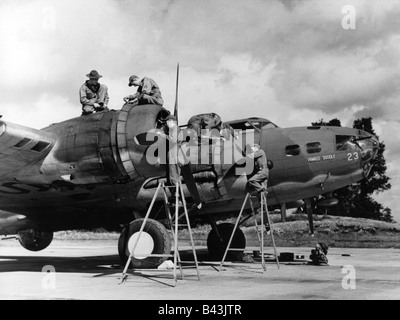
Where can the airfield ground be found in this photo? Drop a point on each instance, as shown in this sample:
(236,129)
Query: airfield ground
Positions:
(364,262)
(90,269)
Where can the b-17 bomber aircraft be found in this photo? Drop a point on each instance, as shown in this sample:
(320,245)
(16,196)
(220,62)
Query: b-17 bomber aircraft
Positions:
(93,171)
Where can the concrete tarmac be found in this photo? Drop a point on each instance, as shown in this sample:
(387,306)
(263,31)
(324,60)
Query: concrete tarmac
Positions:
(91,270)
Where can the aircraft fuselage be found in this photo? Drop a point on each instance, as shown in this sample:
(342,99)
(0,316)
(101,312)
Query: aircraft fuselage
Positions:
(97,171)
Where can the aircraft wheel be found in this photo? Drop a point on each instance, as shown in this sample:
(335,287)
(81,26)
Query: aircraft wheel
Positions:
(216,247)
(35,240)
(155,239)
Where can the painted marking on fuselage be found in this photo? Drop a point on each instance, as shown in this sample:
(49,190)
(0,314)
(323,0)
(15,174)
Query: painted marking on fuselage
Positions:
(329,157)
(322,158)
(314,159)
(352,156)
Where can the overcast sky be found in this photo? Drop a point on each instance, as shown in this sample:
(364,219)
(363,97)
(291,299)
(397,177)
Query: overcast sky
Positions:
(293,62)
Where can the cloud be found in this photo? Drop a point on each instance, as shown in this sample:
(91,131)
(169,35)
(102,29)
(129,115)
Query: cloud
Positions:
(334,82)
(327,67)
(50,108)
(288,61)
(50,46)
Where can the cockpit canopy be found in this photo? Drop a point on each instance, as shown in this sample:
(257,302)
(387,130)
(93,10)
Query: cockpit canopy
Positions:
(252,123)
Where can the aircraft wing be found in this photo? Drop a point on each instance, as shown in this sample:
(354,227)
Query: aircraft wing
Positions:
(21,146)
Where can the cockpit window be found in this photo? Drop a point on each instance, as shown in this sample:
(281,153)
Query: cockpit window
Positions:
(262,124)
(253,124)
(269,125)
(245,125)
(343,143)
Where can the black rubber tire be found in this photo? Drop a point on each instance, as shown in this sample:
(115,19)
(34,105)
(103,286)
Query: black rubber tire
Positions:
(161,238)
(216,248)
(35,240)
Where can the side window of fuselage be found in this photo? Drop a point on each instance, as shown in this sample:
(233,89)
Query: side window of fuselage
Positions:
(292,150)
(313,147)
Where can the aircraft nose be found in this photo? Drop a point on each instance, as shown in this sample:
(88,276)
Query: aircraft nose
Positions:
(375,145)
(369,152)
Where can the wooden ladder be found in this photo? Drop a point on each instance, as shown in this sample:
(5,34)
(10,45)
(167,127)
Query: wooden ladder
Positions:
(264,206)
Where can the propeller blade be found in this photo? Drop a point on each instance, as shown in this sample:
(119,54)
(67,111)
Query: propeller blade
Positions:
(309,214)
(176,94)
(187,175)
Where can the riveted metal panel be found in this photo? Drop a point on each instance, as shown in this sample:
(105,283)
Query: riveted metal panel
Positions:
(121,142)
(86,138)
(123,116)
(142,119)
(8,164)
(124,153)
(114,147)
(129,167)
(131,121)
(110,162)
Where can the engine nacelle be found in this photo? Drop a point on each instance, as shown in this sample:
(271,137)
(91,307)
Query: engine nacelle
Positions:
(102,147)
(35,240)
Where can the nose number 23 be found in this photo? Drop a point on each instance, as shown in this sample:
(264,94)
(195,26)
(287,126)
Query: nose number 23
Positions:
(352,156)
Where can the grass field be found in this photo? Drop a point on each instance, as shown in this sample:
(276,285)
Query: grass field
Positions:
(334,231)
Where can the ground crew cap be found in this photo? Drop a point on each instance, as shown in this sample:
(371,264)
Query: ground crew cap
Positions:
(131,79)
(94,75)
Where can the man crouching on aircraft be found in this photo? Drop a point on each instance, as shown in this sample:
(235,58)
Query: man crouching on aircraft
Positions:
(93,95)
(256,182)
(148,92)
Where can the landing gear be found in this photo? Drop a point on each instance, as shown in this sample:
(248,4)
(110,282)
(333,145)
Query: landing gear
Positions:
(218,239)
(309,214)
(35,240)
(154,240)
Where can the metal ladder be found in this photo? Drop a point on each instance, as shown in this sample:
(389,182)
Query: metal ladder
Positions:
(173,229)
(260,235)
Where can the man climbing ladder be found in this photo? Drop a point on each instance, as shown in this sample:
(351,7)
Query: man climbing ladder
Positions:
(257,181)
